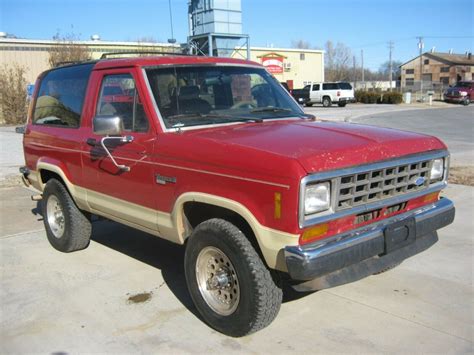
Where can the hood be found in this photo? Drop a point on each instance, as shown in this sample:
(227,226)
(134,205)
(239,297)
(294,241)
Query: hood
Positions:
(319,146)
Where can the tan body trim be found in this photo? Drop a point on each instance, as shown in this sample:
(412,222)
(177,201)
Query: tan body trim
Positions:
(170,226)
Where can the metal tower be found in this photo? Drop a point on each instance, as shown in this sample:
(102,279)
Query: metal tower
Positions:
(215,28)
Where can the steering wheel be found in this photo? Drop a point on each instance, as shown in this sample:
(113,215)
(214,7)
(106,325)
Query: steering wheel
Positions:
(244,104)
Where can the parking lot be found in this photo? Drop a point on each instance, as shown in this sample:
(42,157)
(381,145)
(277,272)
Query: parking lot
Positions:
(126,293)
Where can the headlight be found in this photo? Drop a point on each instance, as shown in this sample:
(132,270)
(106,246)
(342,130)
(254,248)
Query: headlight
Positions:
(437,170)
(463,93)
(317,198)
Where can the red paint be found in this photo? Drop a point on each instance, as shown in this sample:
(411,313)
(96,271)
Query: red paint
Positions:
(246,162)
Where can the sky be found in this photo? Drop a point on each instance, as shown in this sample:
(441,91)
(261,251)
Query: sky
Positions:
(366,25)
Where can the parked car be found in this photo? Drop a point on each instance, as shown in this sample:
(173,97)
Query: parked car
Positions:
(213,154)
(339,93)
(462,92)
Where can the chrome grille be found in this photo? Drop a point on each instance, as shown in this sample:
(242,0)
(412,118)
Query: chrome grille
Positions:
(378,184)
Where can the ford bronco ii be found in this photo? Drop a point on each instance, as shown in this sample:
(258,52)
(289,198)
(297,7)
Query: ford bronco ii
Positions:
(214,154)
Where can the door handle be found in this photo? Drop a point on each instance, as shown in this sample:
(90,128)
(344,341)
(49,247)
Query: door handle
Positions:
(123,139)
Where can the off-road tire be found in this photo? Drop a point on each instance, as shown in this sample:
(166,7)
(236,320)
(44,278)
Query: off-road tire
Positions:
(327,101)
(341,104)
(260,298)
(77,227)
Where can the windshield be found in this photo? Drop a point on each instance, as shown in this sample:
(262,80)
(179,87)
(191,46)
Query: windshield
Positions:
(462,84)
(192,96)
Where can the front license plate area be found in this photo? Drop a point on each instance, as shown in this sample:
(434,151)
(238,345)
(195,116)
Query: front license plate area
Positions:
(399,234)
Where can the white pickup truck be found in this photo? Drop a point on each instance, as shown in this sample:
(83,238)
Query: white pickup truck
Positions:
(325,93)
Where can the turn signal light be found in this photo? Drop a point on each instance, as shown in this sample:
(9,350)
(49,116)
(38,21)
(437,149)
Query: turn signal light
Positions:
(314,233)
(432,197)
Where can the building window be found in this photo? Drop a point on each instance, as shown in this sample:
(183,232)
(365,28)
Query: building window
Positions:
(427,61)
(302,56)
(444,80)
(410,71)
(444,69)
(409,81)
(427,77)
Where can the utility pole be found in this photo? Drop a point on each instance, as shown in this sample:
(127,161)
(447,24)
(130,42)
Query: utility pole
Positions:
(390,46)
(420,46)
(362,64)
(354,74)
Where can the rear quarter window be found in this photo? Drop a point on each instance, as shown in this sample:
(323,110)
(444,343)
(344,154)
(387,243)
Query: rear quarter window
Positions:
(330,86)
(61,96)
(345,86)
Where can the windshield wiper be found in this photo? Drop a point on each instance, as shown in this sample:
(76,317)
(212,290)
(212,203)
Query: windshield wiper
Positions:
(270,109)
(232,118)
(216,118)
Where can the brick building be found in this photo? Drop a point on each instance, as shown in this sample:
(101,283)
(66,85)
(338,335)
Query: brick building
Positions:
(438,70)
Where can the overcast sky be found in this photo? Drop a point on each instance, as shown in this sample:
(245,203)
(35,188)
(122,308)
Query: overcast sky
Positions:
(362,24)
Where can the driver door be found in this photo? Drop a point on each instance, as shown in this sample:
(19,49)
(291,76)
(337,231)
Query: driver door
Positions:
(122,194)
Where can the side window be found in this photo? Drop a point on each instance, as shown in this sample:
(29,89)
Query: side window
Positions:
(315,87)
(61,96)
(119,97)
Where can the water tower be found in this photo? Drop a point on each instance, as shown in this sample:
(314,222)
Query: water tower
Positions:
(215,28)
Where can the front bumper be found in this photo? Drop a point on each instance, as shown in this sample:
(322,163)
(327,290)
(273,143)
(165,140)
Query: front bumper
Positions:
(456,99)
(343,251)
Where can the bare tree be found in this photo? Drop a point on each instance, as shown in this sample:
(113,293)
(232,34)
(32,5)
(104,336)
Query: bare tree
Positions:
(13,104)
(337,62)
(300,44)
(385,69)
(67,49)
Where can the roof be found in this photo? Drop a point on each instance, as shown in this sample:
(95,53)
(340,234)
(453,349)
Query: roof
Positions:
(171,59)
(86,43)
(272,49)
(447,58)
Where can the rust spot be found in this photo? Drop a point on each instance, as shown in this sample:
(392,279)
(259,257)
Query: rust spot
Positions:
(140,297)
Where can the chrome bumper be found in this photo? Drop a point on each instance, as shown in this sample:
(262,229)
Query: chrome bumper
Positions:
(345,250)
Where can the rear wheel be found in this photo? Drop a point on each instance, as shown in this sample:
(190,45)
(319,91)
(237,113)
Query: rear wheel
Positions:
(228,282)
(67,228)
(467,101)
(327,101)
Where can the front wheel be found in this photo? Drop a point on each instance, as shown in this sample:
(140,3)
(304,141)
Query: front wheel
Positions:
(466,102)
(227,280)
(327,102)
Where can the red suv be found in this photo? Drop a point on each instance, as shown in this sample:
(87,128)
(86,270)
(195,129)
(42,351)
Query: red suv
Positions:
(462,92)
(215,155)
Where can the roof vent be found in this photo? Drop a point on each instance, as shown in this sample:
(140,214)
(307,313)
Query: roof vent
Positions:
(95,37)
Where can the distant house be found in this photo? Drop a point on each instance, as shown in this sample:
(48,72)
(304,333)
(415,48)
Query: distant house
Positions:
(438,69)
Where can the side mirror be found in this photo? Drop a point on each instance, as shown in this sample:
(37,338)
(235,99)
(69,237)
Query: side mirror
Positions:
(107,125)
